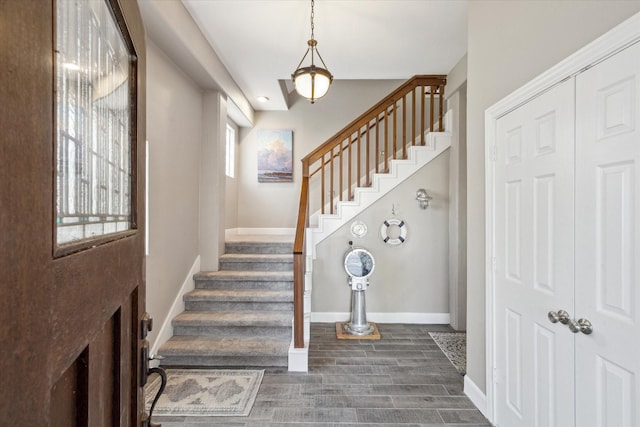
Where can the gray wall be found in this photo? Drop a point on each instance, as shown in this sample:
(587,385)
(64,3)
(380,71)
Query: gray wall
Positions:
(174,114)
(457,104)
(212,180)
(511,42)
(231,192)
(173,29)
(408,278)
(275,205)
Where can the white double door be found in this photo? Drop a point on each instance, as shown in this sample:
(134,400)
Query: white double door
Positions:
(567,237)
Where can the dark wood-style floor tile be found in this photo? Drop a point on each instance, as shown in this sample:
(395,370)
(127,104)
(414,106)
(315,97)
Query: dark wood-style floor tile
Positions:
(353,402)
(357,379)
(365,361)
(399,416)
(402,380)
(323,415)
(435,402)
(461,416)
(361,369)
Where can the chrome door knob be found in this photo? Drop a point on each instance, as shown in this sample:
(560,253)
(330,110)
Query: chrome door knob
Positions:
(581,325)
(560,316)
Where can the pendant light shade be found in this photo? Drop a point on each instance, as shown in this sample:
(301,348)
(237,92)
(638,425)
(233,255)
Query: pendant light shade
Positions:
(312,82)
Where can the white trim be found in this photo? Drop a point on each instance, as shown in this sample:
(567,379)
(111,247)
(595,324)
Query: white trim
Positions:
(166,330)
(490,129)
(413,318)
(146,197)
(620,37)
(299,358)
(230,152)
(474,394)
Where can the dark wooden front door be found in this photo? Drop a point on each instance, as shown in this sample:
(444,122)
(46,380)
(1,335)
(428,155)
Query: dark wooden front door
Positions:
(70,334)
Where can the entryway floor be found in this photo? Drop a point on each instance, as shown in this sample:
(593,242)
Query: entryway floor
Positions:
(402,380)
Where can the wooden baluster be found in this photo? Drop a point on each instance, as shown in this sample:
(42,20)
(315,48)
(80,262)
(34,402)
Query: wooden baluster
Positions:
(341,167)
(377,159)
(368,180)
(394,111)
(349,168)
(322,184)
(413,116)
(422,113)
(386,141)
(432,108)
(358,170)
(441,112)
(331,191)
(404,127)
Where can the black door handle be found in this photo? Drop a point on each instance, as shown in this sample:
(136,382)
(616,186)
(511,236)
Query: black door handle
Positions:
(163,384)
(145,371)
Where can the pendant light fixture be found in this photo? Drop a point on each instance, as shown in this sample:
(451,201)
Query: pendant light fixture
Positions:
(312,82)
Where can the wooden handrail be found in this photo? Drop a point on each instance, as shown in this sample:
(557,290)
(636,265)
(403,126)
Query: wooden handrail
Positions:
(353,133)
(438,80)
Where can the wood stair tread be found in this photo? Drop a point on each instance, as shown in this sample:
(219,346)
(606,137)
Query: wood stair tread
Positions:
(239,295)
(265,276)
(258,257)
(235,318)
(185,345)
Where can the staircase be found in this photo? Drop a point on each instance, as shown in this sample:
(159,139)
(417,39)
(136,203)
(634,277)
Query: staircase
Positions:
(246,314)
(323,225)
(354,168)
(241,315)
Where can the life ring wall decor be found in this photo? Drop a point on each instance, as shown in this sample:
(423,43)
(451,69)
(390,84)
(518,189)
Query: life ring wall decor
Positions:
(384,231)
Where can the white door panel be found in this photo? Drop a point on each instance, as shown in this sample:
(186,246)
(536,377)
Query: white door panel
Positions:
(534,261)
(608,241)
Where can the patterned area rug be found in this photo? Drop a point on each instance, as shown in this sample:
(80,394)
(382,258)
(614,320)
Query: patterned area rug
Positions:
(454,346)
(205,392)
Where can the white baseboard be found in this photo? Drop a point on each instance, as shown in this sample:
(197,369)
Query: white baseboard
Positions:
(476,395)
(271,231)
(414,318)
(166,330)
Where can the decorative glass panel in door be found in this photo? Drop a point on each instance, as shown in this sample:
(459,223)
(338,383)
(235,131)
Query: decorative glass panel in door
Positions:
(94,110)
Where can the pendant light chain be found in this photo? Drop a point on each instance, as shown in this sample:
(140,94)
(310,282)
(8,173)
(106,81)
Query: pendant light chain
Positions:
(312,15)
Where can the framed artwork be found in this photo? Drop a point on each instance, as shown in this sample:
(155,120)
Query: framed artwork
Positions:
(275,156)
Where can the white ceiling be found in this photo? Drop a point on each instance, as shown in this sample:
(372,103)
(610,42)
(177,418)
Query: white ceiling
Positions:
(261,42)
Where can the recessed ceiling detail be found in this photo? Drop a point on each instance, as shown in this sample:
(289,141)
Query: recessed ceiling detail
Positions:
(258,40)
